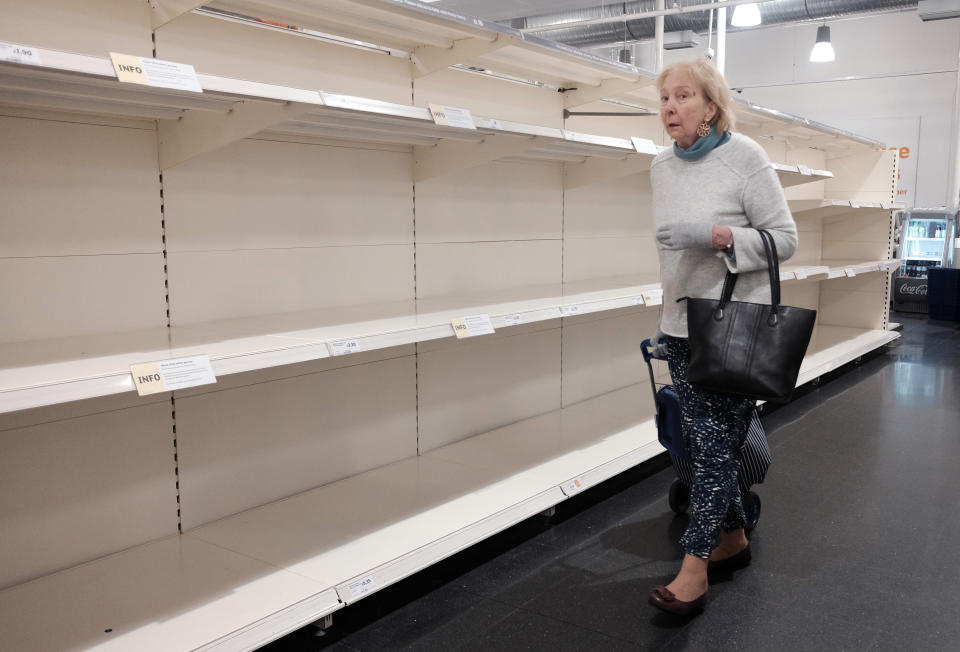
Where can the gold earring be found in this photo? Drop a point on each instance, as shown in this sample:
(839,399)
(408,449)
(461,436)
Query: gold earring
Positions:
(703,129)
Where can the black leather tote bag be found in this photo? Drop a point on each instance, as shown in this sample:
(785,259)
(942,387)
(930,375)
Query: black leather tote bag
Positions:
(752,350)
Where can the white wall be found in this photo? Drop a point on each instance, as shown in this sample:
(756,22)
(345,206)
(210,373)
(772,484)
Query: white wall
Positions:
(891,71)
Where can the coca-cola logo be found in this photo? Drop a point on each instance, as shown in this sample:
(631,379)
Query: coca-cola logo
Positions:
(916,290)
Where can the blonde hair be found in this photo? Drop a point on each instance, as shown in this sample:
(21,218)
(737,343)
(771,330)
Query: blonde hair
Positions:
(713,85)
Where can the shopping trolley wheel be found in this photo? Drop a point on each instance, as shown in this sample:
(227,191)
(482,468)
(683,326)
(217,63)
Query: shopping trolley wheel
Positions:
(679,497)
(751,507)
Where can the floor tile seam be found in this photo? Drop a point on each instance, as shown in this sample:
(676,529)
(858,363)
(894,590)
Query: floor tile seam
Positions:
(512,611)
(581,627)
(585,543)
(801,606)
(850,625)
(582,546)
(566,551)
(778,602)
(667,643)
(628,510)
(517,604)
(894,575)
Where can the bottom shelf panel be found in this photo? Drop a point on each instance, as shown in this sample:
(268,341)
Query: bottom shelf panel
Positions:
(371,530)
(834,346)
(240,582)
(174,594)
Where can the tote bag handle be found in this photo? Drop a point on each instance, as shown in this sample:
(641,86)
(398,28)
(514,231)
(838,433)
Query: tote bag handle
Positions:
(773,268)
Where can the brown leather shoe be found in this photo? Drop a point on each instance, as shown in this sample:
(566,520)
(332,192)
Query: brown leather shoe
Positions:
(663,598)
(733,562)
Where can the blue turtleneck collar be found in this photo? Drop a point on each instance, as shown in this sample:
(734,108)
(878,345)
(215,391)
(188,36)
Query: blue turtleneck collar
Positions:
(702,145)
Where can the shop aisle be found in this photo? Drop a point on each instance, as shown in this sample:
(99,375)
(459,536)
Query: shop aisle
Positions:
(855,550)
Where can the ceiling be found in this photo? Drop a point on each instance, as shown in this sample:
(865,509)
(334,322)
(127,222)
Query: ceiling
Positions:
(536,13)
(506,9)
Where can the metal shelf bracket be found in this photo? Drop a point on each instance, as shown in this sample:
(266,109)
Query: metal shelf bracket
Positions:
(429,59)
(199,132)
(165,11)
(450,156)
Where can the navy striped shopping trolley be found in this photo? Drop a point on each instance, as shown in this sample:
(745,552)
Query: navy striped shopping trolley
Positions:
(755,456)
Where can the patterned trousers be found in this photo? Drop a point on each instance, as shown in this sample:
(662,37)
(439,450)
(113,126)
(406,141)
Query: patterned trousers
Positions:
(714,429)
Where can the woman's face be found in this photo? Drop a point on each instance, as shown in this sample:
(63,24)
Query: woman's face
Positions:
(683,107)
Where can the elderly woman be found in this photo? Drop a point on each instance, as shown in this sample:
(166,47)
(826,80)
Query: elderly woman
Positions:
(711,192)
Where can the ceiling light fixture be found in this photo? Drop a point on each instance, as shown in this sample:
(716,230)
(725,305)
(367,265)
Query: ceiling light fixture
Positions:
(746,15)
(822,51)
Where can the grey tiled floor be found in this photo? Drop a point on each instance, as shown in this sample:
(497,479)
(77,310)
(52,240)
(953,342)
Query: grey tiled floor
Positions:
(855,549)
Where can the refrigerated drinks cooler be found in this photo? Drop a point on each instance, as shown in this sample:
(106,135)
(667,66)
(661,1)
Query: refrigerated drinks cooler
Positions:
(926,241)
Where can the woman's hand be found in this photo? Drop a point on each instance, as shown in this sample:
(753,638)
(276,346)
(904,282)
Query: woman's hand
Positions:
(722,238)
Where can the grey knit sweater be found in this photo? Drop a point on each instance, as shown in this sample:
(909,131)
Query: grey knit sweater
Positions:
(732,185)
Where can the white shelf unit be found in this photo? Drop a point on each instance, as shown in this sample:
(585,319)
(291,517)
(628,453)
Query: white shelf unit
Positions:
(308,198)
(66,370)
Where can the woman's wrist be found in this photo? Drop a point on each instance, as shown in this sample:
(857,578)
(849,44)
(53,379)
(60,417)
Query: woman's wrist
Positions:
(722,238)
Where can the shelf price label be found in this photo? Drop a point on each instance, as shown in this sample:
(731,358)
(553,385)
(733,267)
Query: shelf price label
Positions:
(168,375)
(801,274)
(486,123)
(804,170)
(638,301)
(343,347)
(569,311)
(14,53)
(362,587)
(644,146)
(850,272)
(513,320)
(451,116)
(472,326)
(854,203)
(653,297)
(155,72)
(573,487)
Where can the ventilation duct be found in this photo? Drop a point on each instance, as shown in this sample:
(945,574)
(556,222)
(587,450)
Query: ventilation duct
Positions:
(938,9)
(679,40)
(772,13)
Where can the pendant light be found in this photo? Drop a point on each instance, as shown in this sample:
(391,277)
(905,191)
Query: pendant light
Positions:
(822,51)
(746,15)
